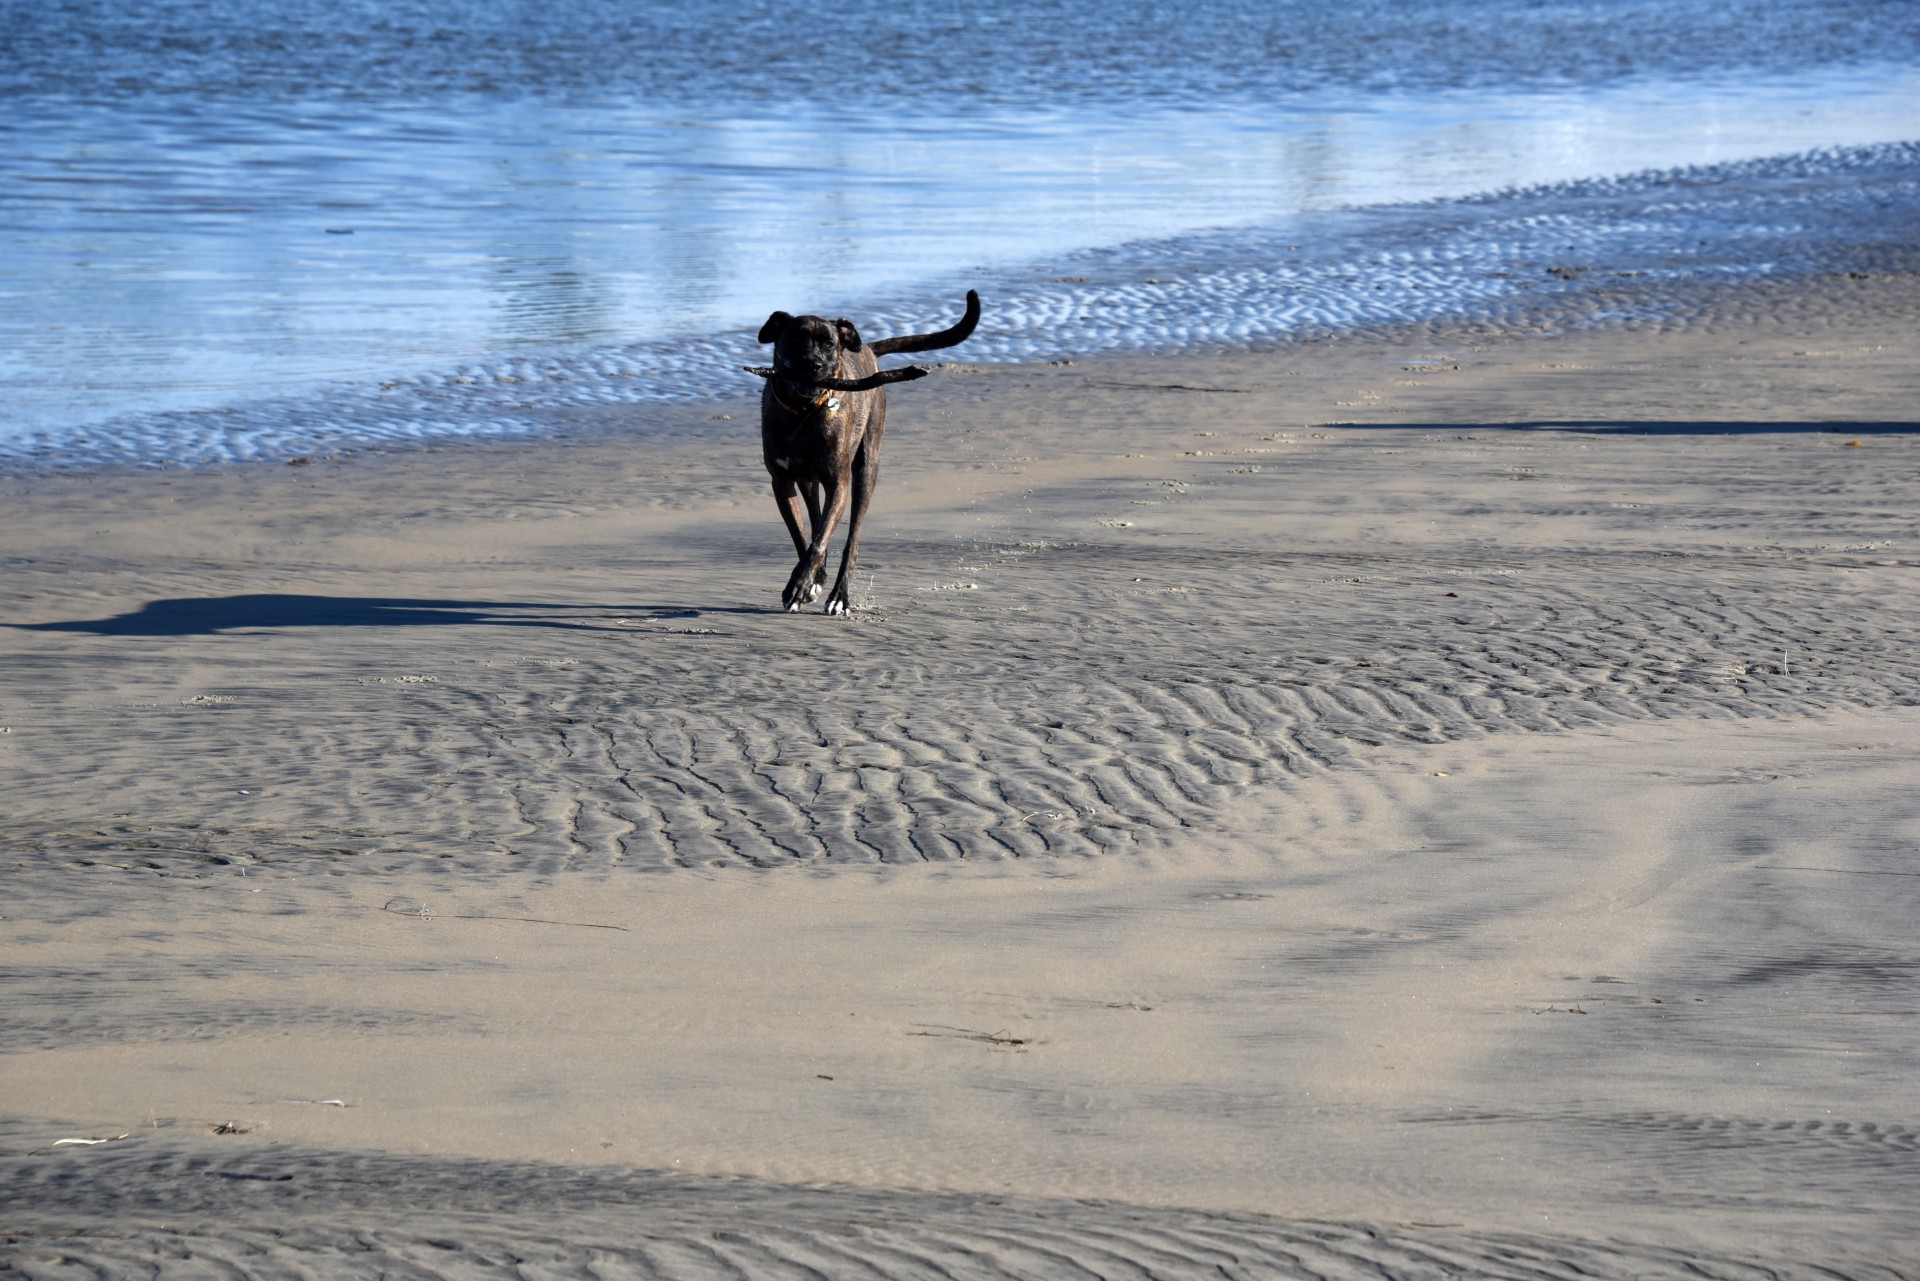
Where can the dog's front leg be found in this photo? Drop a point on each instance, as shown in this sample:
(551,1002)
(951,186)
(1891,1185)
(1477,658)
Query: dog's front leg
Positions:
(866,474)
(811,572)
(816,521)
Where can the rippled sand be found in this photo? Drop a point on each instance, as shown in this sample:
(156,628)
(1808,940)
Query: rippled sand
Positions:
(1433,802)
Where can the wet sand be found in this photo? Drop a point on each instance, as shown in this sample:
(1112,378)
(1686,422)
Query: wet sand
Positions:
(1438,801)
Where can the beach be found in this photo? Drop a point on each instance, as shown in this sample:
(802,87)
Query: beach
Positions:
(1432,800)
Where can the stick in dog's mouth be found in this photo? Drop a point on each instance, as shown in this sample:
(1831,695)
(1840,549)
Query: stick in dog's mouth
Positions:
(871,381)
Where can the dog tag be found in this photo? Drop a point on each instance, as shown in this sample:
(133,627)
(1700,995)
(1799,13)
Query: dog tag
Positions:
(833,402)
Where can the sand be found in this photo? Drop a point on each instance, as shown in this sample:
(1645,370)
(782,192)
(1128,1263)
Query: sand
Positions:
(1437,801)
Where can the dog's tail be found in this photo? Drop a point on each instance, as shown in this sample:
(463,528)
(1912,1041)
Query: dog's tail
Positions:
(928,342)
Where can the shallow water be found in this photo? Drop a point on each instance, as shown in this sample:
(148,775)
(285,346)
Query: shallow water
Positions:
(228,229)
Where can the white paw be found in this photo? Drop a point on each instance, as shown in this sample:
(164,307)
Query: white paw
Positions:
(836,607)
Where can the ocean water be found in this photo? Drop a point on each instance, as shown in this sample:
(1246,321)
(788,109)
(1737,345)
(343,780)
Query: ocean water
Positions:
(247,230)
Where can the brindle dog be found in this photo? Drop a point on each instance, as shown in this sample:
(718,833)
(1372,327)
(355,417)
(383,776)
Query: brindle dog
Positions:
(821,416)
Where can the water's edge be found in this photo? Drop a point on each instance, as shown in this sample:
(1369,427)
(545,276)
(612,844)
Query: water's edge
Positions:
(1593,252)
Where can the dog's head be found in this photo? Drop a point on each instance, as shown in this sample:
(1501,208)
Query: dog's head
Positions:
(808,346)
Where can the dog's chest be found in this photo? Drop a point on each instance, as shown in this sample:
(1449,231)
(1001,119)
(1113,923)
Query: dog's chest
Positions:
(814,445)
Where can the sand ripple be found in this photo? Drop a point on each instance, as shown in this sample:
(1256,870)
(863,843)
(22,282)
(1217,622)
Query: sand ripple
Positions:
(1265,667)
(158,1208)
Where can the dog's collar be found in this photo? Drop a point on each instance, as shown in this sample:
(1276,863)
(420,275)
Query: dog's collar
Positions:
(811,405)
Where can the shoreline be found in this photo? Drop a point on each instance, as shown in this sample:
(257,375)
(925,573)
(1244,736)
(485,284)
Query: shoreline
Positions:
(1437,777)
(1627,251)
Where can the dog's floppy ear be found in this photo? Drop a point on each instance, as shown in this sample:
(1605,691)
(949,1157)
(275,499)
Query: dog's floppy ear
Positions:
(775,323)
(849,336)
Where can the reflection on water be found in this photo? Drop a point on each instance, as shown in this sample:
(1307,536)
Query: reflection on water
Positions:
(192,257)
(1513,258)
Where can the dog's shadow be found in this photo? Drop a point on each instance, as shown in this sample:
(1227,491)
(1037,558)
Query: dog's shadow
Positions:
(214,615)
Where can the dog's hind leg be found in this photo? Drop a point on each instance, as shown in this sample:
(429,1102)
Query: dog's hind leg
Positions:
(811,572)
(786,496)
(866,474)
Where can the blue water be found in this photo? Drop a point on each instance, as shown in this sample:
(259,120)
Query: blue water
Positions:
(248,229)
